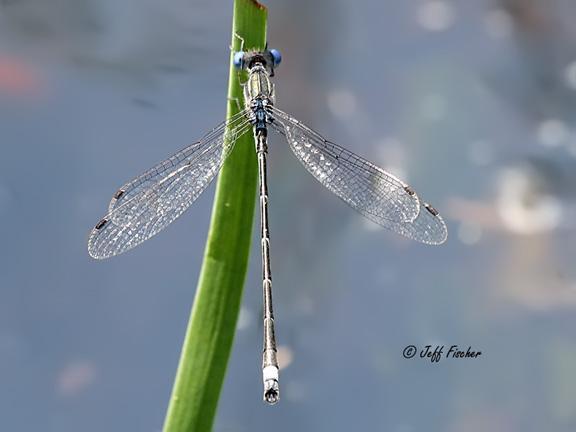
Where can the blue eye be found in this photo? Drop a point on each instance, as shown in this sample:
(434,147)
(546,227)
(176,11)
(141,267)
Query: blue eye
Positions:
(276,56)
(238,59)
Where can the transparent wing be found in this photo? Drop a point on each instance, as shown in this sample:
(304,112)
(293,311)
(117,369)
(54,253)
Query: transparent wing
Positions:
(150,202)
(157,172)
(374,193)
(428,227)
(368,189)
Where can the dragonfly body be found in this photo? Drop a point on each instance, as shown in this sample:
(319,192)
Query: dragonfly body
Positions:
(147,204)
(258,95)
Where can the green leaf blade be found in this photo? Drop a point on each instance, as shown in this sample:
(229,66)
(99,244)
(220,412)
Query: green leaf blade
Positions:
(210,333)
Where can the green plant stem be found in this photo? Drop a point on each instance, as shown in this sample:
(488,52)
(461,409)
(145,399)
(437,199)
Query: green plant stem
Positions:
(212,324)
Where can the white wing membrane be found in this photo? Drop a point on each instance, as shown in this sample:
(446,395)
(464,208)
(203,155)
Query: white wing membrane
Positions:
(374,193)
(157,172)
(428,227)
(150,202)
(367,188)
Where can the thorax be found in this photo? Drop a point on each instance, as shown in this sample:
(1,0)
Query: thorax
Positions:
(258,85)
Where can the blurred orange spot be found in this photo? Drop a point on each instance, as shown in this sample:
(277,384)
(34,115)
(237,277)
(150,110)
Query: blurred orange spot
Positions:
(75,377)
(16,76)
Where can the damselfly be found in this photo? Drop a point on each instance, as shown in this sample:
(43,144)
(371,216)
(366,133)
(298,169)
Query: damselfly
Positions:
(150,202)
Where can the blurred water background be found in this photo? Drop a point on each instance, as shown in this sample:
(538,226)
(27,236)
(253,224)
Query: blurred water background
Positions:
(472,102)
